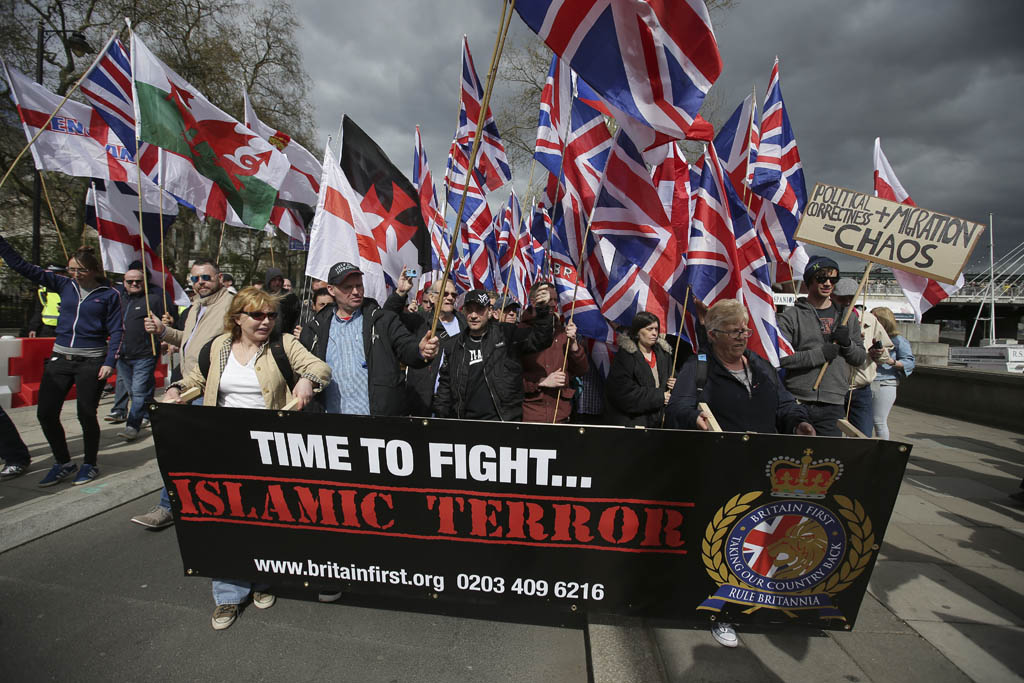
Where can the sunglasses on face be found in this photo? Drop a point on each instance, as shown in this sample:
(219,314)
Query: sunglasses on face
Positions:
(258,316)
(822,279)
(204,277)
(133,282)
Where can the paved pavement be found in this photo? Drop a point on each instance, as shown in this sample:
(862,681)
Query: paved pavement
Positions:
(85,595)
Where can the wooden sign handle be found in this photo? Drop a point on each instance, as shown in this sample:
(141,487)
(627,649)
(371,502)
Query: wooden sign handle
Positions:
(709,416)
(846,318)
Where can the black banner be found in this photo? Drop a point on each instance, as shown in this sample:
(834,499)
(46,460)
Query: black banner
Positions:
(656,523)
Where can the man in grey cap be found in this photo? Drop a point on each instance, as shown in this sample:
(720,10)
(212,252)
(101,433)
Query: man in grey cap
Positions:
(877,345)
(363,344)
(814,327)
(507,309)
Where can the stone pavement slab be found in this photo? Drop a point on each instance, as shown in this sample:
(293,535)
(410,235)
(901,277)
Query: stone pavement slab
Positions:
(992,654)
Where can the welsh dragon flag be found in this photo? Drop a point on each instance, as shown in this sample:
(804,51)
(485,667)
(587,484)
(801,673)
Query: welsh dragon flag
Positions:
(172,114)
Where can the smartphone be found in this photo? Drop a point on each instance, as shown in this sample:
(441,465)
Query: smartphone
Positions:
(411,272)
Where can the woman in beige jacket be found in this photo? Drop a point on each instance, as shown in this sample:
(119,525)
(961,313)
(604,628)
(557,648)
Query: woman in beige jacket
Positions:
(243,373)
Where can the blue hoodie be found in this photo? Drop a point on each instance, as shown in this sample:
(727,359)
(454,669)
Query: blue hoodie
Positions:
(82,324)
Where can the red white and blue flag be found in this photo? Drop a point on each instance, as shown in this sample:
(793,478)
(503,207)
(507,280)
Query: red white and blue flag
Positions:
(423,181)
(492,165)
(778,177)
(476,229)
(653,60)
(922,292)
(570,285)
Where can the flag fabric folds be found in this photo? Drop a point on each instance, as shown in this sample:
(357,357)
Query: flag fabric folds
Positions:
(922,292)
(112,208)
(654,60)
(172,114)
(492,167)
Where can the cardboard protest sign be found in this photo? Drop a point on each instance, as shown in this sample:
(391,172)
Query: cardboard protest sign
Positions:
(535,520)
(910,238)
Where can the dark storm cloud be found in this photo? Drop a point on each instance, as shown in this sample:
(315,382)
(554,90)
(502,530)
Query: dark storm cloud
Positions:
(941,82)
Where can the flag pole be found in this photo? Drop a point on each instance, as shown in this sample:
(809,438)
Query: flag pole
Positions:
(484,106)
(54,113)
(846,318)
(163,263)
(142,238)
(221,242)
(53,217)
(679,337)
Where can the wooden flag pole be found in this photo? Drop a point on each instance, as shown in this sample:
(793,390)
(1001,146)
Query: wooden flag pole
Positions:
(846,318)
(50,117)
(163,262)
(53,217)
(484,105)
(221,242)
(679,337)
(142,245)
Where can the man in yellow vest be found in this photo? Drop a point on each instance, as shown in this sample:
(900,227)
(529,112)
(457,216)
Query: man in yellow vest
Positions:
(44,319)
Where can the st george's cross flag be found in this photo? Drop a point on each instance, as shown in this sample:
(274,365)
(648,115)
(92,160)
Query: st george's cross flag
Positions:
(921,292)
(170,113)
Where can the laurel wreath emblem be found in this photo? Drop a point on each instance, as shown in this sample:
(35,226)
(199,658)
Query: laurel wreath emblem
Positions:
(861,543)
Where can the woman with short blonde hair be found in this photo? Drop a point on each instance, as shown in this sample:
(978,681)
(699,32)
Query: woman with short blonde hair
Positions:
(889,376)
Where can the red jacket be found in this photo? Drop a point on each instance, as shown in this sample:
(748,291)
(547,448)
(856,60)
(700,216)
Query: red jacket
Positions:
(538,401)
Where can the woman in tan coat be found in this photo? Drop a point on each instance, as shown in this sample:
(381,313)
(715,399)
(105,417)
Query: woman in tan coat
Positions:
(243,373)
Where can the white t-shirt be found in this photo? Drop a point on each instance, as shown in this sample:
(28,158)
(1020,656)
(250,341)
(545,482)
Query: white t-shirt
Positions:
(239,386)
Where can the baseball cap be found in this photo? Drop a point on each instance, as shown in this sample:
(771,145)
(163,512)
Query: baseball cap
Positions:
(846,287)
(507,302)
(340,271)
(478,297)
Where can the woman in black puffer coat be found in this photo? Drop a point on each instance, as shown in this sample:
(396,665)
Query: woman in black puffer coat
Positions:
(640,381)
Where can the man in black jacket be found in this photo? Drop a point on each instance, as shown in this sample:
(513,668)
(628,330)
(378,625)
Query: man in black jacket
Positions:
(363,344)
(421,383)
(139,350)
(481,374)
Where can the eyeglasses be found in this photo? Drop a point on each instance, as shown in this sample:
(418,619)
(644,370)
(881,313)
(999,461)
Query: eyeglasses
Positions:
(133,282)
(822,279)
(258,316)
(204,277)
(736,334)
(78,270)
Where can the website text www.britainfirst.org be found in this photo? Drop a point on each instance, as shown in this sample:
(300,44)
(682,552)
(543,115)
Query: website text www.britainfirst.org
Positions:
(350,572)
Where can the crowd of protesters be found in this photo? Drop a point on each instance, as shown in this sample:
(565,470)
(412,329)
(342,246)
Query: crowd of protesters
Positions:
(340,352)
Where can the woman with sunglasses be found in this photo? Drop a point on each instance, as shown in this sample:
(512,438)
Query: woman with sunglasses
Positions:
(89,332)
(244,373)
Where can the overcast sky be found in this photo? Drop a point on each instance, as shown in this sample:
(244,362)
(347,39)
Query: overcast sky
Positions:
(940,81)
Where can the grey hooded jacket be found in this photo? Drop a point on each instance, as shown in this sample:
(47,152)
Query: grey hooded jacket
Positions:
(800,325)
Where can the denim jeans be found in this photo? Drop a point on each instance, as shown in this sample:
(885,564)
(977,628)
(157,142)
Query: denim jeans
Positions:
(138,376)
(227,592)
(120,406)
(165,500)
(861,414)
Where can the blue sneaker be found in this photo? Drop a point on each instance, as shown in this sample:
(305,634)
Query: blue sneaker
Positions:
(86,473)
(58,473)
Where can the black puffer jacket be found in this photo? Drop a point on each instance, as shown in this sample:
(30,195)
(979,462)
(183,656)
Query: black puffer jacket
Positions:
(631,397)
(420,382)
(386,342)
(504,345)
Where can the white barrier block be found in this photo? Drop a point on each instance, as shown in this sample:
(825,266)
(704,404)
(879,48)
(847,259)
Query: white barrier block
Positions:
(10,347)
(6,396)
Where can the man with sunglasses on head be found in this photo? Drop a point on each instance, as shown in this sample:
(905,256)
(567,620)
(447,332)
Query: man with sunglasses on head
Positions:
(814,328)
(139,350)
(203,322)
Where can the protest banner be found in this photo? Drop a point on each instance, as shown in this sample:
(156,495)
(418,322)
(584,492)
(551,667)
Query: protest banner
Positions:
(901,236)
(441,514)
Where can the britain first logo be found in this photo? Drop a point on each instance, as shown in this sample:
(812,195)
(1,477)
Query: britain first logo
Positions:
(788,554)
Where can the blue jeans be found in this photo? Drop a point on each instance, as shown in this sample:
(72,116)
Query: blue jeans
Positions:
(165,500)
(227,592)
(138,376)
(120,406)
(861,413)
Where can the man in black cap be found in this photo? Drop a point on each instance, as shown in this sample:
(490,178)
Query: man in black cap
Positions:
(364,345)
(507,309)
(814,327)
(481,375)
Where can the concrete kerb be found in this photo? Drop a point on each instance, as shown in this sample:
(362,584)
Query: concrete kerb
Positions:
(624,651)
(33,519)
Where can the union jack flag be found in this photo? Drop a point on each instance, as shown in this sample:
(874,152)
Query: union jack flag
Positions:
(654,60)
(515,251)
(492,165)
(540,232)
(477,230)
(553,120)
(922,292)
(726,261)
(778,177)
(737,143)
(570,285)
(424,184)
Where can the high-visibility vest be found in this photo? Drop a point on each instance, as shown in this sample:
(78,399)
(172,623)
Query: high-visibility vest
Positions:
(51,306)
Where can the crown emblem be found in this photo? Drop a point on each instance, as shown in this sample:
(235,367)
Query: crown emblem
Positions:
(805,479)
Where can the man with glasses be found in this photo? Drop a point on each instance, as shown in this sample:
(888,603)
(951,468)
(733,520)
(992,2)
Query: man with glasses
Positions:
(139,350)
(204,321)
(421,383)
(814,328)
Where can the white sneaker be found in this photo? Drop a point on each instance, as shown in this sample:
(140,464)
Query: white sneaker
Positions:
(329,596)
(725,634)
(129,434)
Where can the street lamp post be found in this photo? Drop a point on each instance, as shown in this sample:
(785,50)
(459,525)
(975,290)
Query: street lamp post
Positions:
(79,46)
